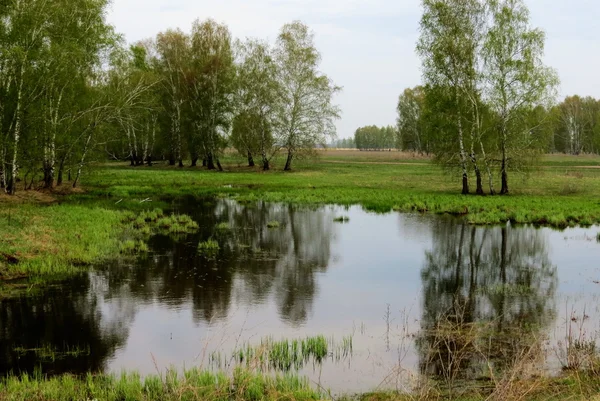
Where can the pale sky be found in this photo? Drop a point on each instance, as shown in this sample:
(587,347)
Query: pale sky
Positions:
(368,47)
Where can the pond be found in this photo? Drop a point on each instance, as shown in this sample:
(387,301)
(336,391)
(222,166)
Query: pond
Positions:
(394,290)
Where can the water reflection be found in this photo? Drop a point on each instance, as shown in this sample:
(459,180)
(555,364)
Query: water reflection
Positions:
(59,331)
(309,276)
(488,293)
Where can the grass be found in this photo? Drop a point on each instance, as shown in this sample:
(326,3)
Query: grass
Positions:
(559,193)
(50,353)
(284,355)
(246,385)
(223,227)
(342,219)
(273,224)
(132,247)
(45,242)
(208,248)
(191,385)
(56,239)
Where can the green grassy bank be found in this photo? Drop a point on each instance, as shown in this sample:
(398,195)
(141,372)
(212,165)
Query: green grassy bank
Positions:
(52,239)
(58,233)
(558,195)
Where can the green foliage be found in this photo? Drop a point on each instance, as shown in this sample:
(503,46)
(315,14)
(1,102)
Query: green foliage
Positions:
(304,112)
(487,90)
(411,133)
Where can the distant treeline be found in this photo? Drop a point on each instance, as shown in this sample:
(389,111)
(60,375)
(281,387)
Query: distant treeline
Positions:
(570,127)
(376,138)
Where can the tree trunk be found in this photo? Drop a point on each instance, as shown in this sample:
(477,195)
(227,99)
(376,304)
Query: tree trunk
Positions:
(504,189)
(503,169)
(265,164)
(210,162)
(463,158)
(488,168)
(48,175)
(479,181)
(250,160)
(204,163)
(288,162)
(152,141)
(219,167)
(180,163)
(61,167)
(194,161)
(17,135)
(81,162)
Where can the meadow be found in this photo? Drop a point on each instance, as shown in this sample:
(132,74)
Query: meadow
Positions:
(58,232)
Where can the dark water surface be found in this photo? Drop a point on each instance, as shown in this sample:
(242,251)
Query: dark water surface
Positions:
(385,280)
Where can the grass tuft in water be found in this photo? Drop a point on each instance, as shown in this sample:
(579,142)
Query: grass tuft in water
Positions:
(342,219)
(208,248)
(131,247)
(223,227)
(273,224)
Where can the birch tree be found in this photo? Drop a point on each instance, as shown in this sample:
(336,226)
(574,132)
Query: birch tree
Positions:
(212,88)
(256,94)
(450,31)
(173,47)
(49,50)
(305,112)
(516,79)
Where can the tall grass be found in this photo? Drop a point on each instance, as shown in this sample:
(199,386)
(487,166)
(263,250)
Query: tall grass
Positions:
(285,355)
(208,248)
(191,385)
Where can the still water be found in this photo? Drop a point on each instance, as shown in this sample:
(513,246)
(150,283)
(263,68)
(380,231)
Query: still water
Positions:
(382,279)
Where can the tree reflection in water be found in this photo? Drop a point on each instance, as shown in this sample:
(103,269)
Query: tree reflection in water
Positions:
(85,320)
(488,294)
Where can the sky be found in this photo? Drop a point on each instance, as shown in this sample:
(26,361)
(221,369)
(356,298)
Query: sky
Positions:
(368,46)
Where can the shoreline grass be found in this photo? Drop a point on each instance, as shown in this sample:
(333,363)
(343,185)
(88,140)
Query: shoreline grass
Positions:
(48,242)
(246,385)
(191,385)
